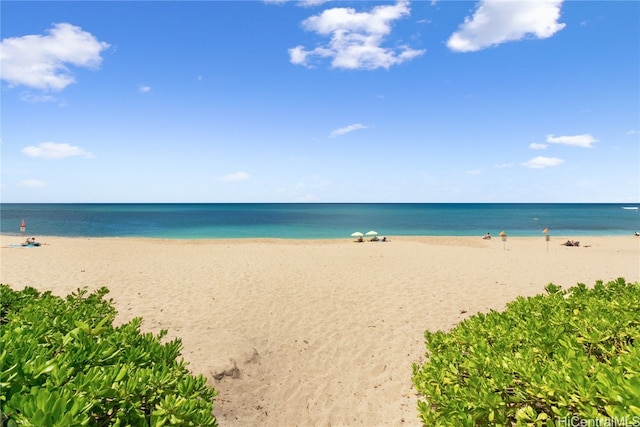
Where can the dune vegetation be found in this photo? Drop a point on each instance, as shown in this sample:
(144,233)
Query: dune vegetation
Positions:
(570,357)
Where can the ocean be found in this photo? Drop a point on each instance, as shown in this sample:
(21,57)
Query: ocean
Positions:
(316,220)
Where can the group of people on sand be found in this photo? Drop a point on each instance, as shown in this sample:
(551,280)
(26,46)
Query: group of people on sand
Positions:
(487,236)
(31,241)
(373,239)
(567,243)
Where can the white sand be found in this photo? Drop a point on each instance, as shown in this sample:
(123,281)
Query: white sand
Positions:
(312,333)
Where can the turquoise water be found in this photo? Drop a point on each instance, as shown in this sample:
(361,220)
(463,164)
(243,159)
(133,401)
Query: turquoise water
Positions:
(317,221)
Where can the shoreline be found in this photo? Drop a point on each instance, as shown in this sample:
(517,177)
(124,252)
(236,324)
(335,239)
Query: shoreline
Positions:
(312,332)
(408,237)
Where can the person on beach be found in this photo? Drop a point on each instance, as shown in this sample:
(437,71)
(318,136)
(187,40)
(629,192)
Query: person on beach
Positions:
(31,241)
(487,236)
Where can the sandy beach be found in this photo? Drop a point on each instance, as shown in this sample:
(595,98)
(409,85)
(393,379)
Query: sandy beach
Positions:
(313,332)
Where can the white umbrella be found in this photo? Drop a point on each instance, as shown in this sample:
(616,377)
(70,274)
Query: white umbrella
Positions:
(357,234)
(373,235)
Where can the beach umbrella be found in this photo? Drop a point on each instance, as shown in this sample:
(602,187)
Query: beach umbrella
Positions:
(503,235)
(371,233)
(357,234)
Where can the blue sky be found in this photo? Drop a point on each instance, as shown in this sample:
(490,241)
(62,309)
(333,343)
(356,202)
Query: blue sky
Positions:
(320,101)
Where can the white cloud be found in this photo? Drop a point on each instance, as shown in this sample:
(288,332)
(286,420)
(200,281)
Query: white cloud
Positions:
(356,38)
(499,21)
(32,183)
(543,162)
(36,99)
(40,61)
(504,165)
(584,140)
(144,89)
(52,150)
(537,146)
(474,172)
(310,3)
(298,55)
(237,176)
(347,129)
(304,3)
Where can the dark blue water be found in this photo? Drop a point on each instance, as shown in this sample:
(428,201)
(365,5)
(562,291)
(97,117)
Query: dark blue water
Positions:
(317,221)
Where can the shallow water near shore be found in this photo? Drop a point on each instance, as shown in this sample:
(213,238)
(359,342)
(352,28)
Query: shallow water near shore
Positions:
(317,220)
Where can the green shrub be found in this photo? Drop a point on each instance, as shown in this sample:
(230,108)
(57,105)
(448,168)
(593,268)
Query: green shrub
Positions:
(568,358)
(62,363)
